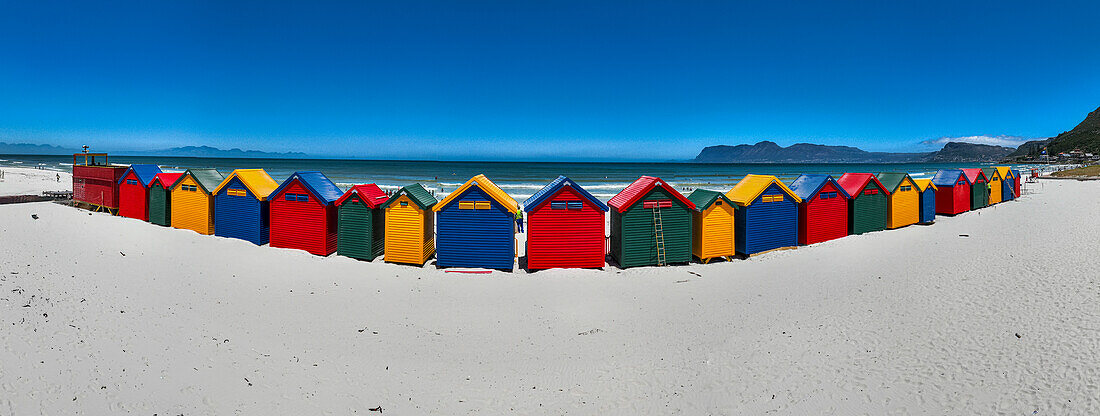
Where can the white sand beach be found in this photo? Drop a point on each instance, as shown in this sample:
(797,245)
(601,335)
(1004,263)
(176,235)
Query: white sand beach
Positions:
(29,181)
(990,312)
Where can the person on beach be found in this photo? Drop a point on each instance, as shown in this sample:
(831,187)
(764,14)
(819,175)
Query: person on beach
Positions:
(519,220)
(58,178)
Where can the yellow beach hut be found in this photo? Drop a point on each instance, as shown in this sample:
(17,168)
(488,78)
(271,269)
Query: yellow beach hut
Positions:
(712,225)
(996,188)
(903,201)
(193,200)
(409,226)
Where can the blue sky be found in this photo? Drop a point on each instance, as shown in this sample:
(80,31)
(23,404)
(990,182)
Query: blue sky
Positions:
(542,80)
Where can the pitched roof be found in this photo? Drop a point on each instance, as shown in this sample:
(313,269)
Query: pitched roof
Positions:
(370,194)
(1005,171)
(207,178)
(420,196)
(808,185)
(991,172)
(892,180)
(751,186)
(488,187)
(853,183)
(552,188)
(948,177)
(144,173)
(703,198)
(316,183)
(973,174)
(635,191)
(256,180)
(166,179)
(923,184)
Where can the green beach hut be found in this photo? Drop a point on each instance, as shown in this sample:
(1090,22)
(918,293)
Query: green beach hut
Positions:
(160,202)
(360,224)
(868,207)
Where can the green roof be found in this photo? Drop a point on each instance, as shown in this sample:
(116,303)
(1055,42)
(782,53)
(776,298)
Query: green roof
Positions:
(417,193)
(208,178)
(891,180)
(990,172)
(703,198)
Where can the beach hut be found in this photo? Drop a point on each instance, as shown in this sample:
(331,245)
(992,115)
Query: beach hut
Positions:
(133,191)
(160,201)
(360,223)
(979,188)
(927,200)
(995,183)
(95,181)
(565,227)
(476,227)
(241,205)
(410,225)
(650,224)
(712,234)
(1016,183)
(952,192)
(868,207)
(303,215)
(193,200)
(1008,183)
(766,214)
(903,200)
(823,212)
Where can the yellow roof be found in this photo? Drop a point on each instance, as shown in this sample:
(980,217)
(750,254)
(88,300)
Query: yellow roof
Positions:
(486,185)
(256,180)
(1005,171)
(923,184)
(752,186)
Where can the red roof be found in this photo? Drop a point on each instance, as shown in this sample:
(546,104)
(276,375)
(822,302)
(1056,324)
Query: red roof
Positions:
(853,183)
(370,193)
(166,179)
(973,174)
(635,191)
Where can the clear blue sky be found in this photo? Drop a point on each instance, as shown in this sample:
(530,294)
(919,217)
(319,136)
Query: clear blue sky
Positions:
(542,80)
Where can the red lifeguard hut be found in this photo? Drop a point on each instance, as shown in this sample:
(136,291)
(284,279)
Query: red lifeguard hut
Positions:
(95,181)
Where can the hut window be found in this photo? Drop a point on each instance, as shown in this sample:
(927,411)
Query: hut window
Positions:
(772,198)
(717,202)
(961,183)
(662,203)
(303,198)
(557,205)
(189,188)
(131,182)
(906,188)
(870,192)
(575,205)
(404,203)
(828,195)
(481,205)
(290,197)
(236,192)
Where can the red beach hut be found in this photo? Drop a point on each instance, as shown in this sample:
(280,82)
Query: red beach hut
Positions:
(95,181)
(823,212)
(303,213)
(133,191)
(565,227)
(952,192)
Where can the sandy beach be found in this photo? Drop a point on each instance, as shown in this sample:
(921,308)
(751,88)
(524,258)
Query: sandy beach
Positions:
(990,312)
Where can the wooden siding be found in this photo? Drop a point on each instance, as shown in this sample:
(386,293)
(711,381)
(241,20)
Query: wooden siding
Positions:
(410,232)
(133,200)
(475,237)
(953,200)
(979,195)
(633,237)
(996,189)
(192,210)
(360,230)
(867,213)
(97,185)
(160,207)
(823,219)
(240,216)
(1007,189)
(565,238)
(304,225)
(903,206)
(713,231)
(928,206)
(763,226)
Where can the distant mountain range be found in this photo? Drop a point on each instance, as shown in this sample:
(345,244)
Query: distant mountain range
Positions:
(1085,136)
(186,151)
(769,152)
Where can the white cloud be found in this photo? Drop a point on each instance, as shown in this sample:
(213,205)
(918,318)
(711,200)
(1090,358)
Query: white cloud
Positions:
(1002,140)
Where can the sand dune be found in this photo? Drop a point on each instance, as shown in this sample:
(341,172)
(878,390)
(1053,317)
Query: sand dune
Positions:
(107,315)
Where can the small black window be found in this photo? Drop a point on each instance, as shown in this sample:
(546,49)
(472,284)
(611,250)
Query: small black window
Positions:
(575,205)
(303,198)
(718,203)
(404,203)
(290,197)
(558,205)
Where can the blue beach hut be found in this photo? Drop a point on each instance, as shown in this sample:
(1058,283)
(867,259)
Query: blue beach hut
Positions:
(241,206)
(476,227)
(767,214)
(927,191)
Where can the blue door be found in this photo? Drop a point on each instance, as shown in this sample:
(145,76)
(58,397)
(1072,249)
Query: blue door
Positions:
(928,206)
(238,214)
(770,222)
(1008,187)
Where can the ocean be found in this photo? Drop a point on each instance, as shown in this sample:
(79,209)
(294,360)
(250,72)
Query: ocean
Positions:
(519,179)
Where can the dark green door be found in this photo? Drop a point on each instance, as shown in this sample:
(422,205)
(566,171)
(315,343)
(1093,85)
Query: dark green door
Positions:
(159,213)
(354,234)
(868,211)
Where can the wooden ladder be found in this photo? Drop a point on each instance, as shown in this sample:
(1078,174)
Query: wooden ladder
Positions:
(659,234)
